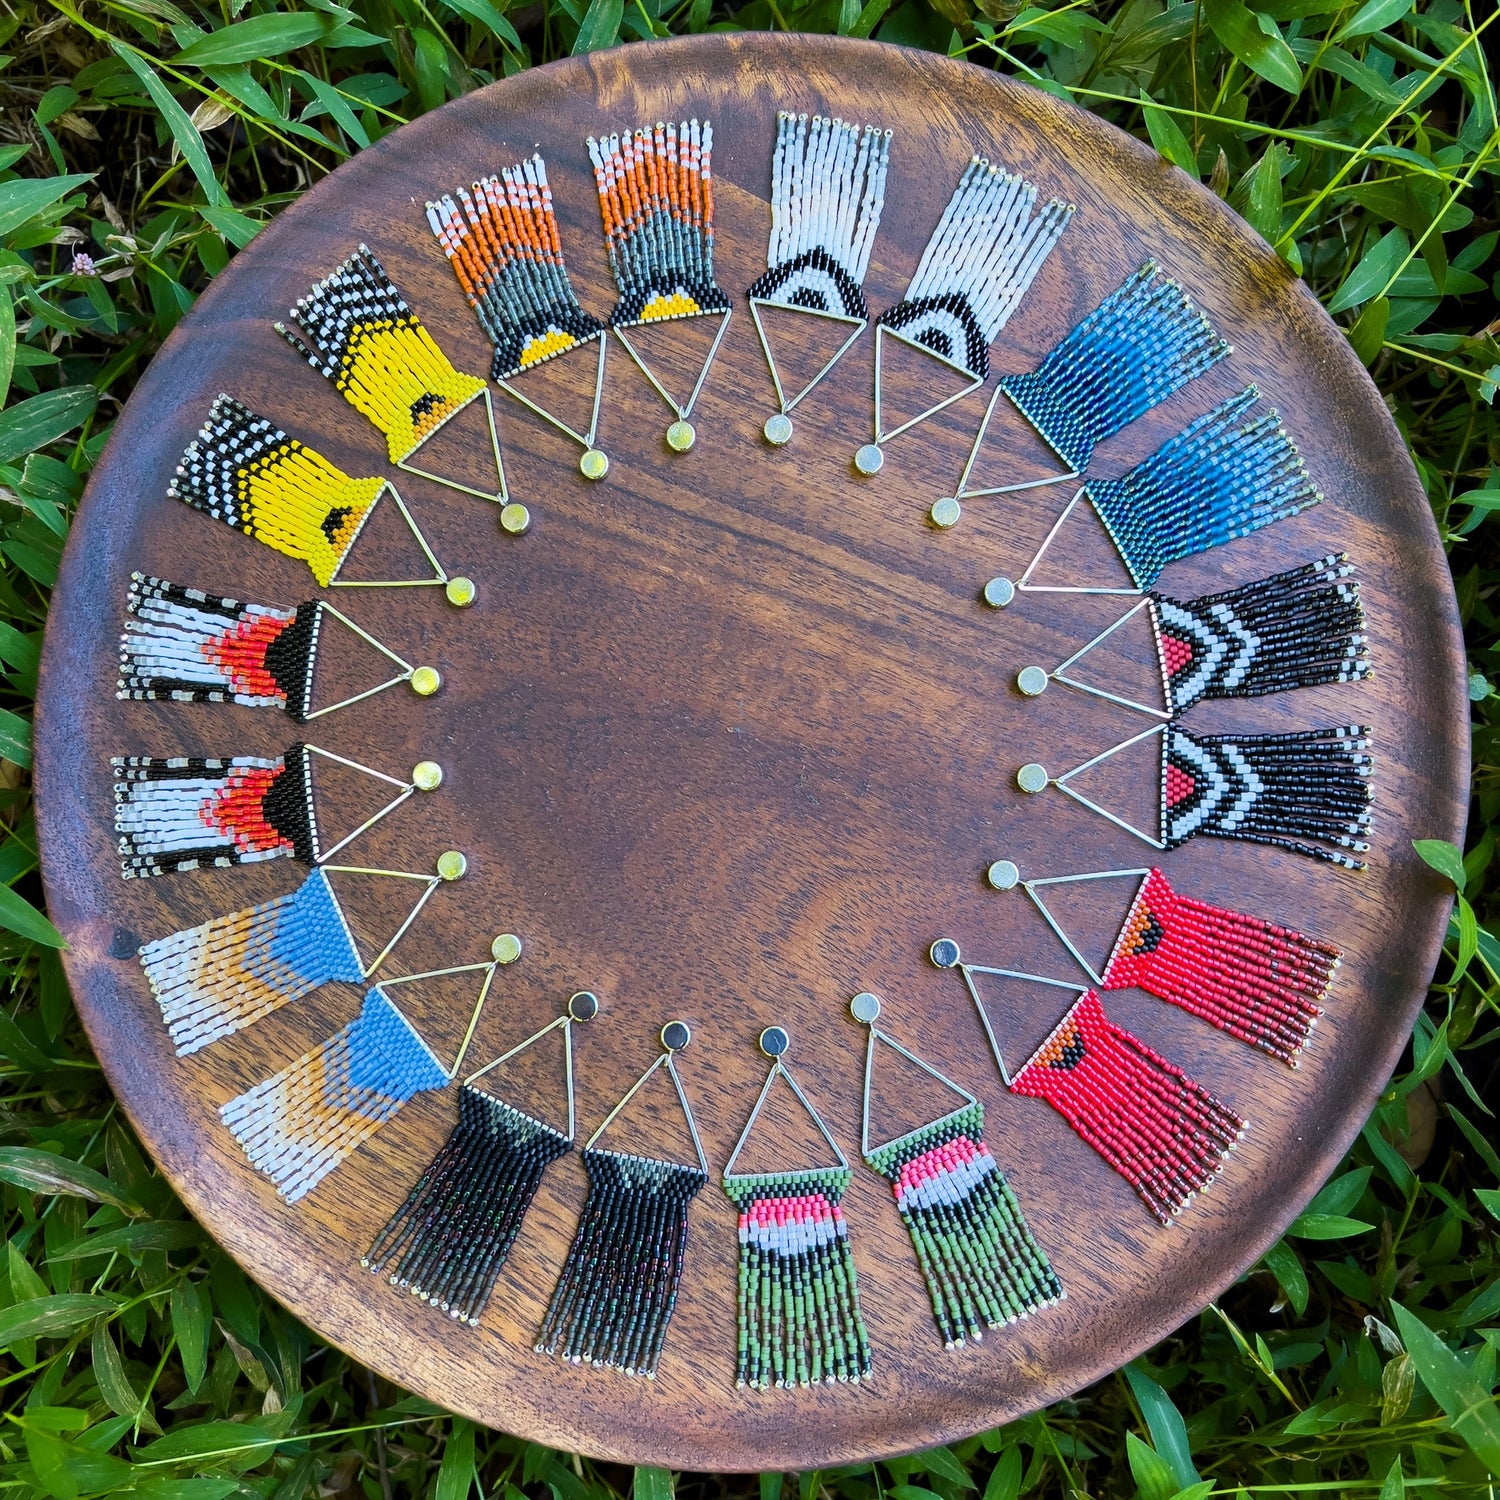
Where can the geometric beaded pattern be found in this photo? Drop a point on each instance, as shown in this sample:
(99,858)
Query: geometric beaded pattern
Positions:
(1164,1133)
(503,245)
(190,812)
(216,979)
(1274,789)
(448,1241)
(827,191)
(1301,628)
(618,1286)
(361,335)
(982,1266)
(1257,981)
(186,646)
(657,201)
(978,265)
(1142,343)
(1224,476)
(799,1317)
(298,1126)
(244,470)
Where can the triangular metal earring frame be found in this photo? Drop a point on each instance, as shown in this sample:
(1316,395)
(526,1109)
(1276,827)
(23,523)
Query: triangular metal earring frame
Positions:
(779,1067)
(565,1021)
(1060,672)
(1024,583)
(783,405)
(439,578)
(962,492)
(407,789)
(584,440)
(666,1061)
(876,1036)
(682,412)
(432,882)
(882,332)
(405,675)
(969,970)
(1030,887)
(1061,783)
(502,496)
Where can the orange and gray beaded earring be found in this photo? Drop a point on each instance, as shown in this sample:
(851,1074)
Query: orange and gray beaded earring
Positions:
(657,201)
(298,1126)
(449,1240)
(501,239)
(215,979)
(361,335)
(980,262)
(827,193)
(245,471)
(182,645)
(193,812)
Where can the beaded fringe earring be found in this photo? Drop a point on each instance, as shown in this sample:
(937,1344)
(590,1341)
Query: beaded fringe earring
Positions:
(185,646)
(657,201)
(502,242)
(618,1288)
(245,471)
(827,193)
(1145,341)
(215,979)
(449,1240)
(799,1317)
(978,265)
(1161,1130)
(191,813)
(982,1266)
(1223,476)
(298,1126)
(1273,789)
(361,335)
(1259,982)
(1301,628)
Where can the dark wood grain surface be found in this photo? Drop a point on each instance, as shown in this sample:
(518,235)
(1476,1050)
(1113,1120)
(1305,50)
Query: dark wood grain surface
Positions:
(729,737)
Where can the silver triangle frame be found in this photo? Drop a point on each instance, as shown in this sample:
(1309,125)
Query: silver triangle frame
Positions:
(431,882)
(784,406)
(1059,673)
(1061,783)
(877,1035)
(566,1021)
(1031,889)
(882,332)
(667,1061)
(779,1067)
(502,496)
(682,412)
(584,440)
(440,575)
(962,492)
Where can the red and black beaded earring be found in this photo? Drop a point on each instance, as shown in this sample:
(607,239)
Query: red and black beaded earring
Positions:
(449,1240)
(227,973)
(618,1288)
(1161,1130)
(799,1319)
(185,646)
(1301,628)
(361,335)
(191,812)
(1307,791)
(1260,982)
(982,1266)
(979,264)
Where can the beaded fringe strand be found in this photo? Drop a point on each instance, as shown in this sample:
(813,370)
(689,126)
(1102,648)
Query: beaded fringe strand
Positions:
(245,471)
(799,1320)
(449,1240)
(190,813)
(1142,343)
(982,1266)
(216,979)
(827,193)
(298,1126)
(1164,1133)
(618,1287)
(978,265)
(502,242)
(1259,982)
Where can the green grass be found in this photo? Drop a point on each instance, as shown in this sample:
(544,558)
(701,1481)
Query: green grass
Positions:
(143,141)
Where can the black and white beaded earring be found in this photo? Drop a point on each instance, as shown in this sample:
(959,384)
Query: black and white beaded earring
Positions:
(980,262)
(618,1288)
(1307,791)
(799,1319)
(1301,628)
(449,1240)
(827,193)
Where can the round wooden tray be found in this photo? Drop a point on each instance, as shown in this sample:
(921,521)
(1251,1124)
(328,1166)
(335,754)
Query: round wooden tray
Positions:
(730,736)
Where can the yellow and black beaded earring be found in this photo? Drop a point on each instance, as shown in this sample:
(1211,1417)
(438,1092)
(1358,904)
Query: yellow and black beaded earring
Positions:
(799,1318)
(182,645)
(373,347)
(298,1126)
(502,241)
(618,1287)
(449,1240)
(194,812)
(217,978)
(657,200)
(245,471)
